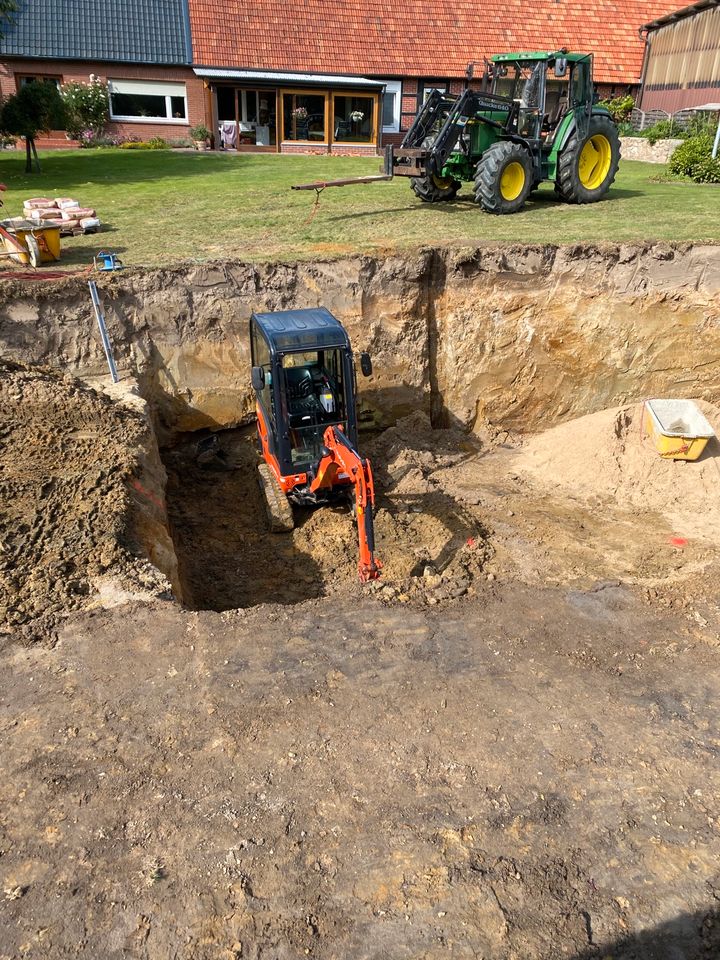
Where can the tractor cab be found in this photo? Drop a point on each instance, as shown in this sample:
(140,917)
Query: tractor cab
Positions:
(543,87)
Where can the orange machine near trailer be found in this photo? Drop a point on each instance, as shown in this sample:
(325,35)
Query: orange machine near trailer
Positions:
(304,378)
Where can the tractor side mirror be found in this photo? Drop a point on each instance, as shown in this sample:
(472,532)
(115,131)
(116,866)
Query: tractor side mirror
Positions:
(560,66)
(366,364)
(257,376)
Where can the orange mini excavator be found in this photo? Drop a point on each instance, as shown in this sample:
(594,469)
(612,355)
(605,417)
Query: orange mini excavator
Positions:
(303,376)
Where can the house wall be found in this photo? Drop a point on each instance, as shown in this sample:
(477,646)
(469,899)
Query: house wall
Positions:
(682,63)
(79,70)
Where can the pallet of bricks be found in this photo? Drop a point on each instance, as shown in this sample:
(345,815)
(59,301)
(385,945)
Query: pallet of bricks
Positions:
(63,212)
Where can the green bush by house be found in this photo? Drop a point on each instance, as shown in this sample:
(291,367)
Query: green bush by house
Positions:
(694,159)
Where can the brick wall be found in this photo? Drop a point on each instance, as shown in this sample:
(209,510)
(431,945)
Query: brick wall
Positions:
(76,70)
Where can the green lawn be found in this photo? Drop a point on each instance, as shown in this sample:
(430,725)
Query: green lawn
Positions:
(167,205)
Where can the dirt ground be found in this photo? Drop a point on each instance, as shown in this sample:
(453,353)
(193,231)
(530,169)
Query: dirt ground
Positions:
(507,749)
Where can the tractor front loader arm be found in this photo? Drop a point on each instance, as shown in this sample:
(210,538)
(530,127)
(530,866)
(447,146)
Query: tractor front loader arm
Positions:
(341,457)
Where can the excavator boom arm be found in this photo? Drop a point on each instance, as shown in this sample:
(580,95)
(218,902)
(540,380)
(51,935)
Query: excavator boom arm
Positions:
(341,457)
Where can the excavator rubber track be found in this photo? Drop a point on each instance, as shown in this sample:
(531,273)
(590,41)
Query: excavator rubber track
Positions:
(277,506)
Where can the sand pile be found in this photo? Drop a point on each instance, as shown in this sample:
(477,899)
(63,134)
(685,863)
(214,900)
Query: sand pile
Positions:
(67,458)
(605,458)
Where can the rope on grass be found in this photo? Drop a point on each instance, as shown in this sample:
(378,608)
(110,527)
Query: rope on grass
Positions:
(318,191)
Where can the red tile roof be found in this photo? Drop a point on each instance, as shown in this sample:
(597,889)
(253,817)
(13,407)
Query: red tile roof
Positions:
(413,38)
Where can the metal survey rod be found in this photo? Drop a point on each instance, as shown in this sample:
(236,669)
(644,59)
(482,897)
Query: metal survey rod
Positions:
(100,316)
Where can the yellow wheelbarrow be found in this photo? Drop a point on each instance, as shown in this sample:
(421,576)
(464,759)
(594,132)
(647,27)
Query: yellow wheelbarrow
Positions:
(30,243)
(25,241)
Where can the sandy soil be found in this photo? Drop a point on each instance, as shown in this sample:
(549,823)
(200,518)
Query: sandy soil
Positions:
(507,749)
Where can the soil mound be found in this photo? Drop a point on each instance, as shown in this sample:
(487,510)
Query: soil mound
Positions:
(607,458)
(67,457)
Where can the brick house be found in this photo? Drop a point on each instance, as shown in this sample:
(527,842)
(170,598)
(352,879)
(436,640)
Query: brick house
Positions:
(141,47)
(320,55)
(309,76)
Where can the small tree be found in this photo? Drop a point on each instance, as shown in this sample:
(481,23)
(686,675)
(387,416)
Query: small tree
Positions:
(87,107)
(36,108)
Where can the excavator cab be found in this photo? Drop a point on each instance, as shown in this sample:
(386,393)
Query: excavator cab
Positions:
(304,378)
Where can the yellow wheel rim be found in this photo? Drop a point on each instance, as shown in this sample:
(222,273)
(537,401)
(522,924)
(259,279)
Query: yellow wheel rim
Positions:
(442,183)
(594,162)
(512,181)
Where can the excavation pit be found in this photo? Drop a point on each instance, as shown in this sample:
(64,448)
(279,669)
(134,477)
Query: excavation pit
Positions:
(526,772)
(432,546)
(493,346)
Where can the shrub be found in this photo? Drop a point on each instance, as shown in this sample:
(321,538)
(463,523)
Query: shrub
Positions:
(87,107)
(663,130)
(701,123)
(694,159)
(626,129)
(619,108)
(157,143)
(199,133)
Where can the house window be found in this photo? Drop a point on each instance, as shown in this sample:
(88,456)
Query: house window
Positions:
(353,120)
(304,117)
(391,106)
(431,85)
(146,100)
(23,79)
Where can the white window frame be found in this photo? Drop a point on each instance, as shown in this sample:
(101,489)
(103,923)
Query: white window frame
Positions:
(394,87)
(150,88)
(430,85)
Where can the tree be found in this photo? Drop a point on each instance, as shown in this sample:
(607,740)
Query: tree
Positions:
(7,9)
(36,108)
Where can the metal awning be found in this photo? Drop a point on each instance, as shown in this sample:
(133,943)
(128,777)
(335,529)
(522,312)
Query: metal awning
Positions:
(270,78)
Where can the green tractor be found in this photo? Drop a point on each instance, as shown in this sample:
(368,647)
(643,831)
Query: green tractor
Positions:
(538,121)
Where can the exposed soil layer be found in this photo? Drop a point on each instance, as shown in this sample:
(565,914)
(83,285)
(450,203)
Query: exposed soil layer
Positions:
(486,338)
(69,469)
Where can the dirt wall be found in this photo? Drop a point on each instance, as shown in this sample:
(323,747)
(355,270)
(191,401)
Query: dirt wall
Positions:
(516,337)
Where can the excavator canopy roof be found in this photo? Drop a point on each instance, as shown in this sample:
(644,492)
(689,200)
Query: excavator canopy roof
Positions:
(311,329)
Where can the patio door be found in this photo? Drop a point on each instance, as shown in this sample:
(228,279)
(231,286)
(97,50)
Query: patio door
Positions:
(246,118)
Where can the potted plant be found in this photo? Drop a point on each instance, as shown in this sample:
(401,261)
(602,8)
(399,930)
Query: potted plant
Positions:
(200,136)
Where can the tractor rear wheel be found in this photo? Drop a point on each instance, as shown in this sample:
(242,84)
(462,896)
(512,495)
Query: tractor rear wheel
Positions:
(503,177)
(434,189)
(277,505)
(587,167)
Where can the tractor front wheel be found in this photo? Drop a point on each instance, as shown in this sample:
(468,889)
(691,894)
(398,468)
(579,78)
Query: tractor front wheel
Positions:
(503,178)
(587,167)
(434,189)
